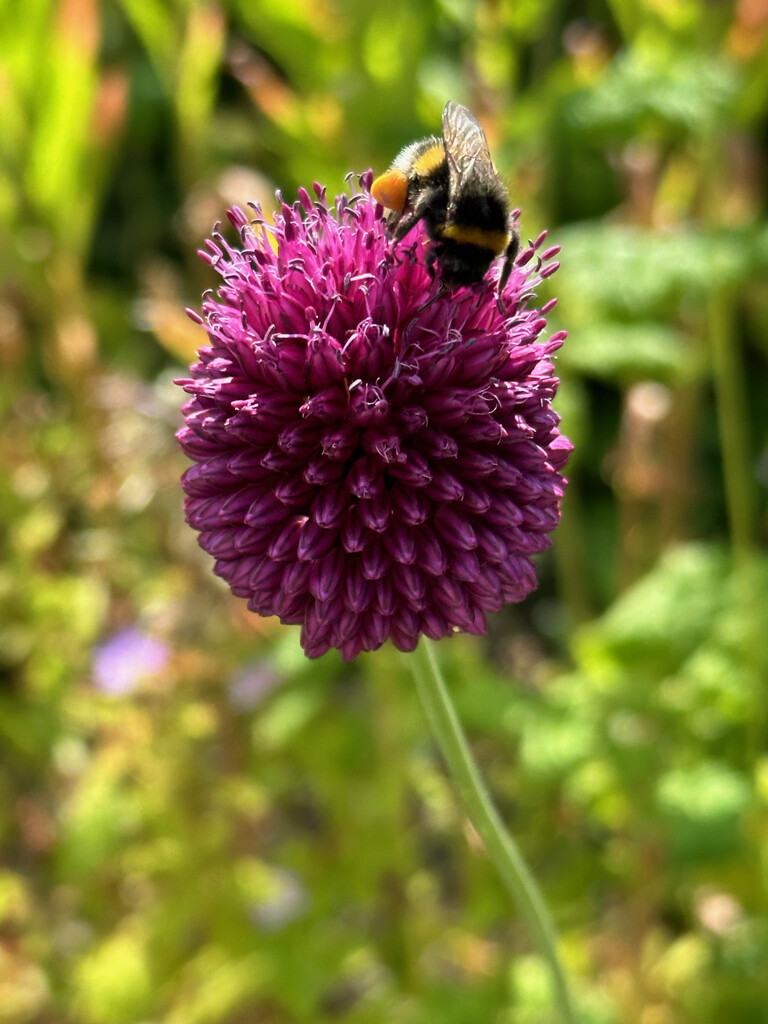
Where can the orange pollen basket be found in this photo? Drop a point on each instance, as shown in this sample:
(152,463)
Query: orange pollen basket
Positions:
(391,190)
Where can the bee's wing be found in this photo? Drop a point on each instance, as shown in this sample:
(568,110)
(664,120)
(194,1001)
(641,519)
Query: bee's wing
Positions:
(466,149)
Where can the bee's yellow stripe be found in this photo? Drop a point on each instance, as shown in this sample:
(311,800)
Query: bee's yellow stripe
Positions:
(496,241)
(429,160)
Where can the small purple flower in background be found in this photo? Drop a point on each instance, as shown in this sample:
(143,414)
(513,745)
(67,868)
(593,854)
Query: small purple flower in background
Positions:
(123,660)
(374,458)
(251,683)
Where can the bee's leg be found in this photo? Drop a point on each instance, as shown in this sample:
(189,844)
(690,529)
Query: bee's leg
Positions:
(392,220)
(510,254)
(441,291)
(406,223)
(430,259)
(421,208)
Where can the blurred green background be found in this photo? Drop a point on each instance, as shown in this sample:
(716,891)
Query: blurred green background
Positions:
(197,825)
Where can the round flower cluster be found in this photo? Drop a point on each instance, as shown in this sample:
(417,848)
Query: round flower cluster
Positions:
(374,457)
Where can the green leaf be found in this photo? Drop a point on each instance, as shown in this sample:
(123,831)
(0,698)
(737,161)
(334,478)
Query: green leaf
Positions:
(664,617)
(215,986)
(112,983)
(552,746)
(702,806)
(286,716)
(679,90)
(627,352)
(638,273)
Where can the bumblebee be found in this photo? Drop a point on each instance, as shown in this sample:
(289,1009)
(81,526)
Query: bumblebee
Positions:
(451,184)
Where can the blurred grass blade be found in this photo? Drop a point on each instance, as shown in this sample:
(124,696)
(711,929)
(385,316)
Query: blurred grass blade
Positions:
(55,178)
(198,70)
(154,24)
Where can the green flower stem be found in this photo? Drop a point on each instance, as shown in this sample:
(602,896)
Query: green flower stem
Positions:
(500,845)
(738,479)
(731,405)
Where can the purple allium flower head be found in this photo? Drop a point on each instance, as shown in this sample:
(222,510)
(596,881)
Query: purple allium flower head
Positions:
(374,458)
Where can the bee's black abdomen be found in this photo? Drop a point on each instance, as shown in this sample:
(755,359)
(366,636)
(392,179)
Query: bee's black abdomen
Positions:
(481,211)
(462,264)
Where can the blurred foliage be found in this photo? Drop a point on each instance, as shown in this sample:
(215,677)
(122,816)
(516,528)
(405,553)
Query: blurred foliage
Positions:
(197,825)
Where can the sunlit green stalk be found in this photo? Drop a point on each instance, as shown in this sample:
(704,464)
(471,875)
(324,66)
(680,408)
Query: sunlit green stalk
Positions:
(731,415)
(728,378)
(571,558)
(500,845)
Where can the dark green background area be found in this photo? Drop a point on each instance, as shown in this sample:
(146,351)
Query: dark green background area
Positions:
(193,851)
